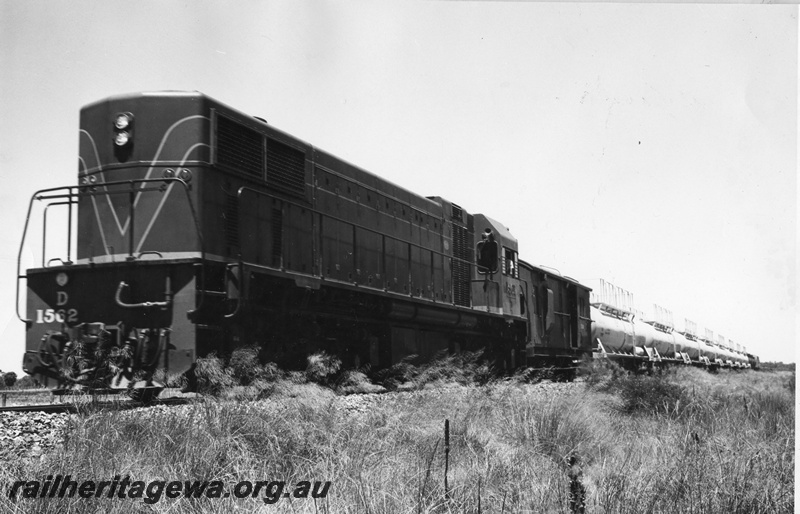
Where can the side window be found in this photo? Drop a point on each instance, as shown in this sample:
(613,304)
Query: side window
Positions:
(487,253)
(510,261)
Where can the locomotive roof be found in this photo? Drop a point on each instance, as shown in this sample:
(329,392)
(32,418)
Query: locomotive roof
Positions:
(555,272)
(128,96)
(365,177)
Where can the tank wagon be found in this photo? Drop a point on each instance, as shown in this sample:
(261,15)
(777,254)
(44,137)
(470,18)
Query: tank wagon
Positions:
(195,229)
(636,340)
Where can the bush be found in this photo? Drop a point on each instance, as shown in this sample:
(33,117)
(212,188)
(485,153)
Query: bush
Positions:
(598,372)
(464,368)
(322,368)
(356,382)
(246,367)
(651,395)
(212,376)
(9,379)
(28,382)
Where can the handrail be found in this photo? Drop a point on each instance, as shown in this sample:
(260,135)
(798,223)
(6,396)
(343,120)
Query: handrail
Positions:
(69,202)
(229,269)
(91,190)
(118,298)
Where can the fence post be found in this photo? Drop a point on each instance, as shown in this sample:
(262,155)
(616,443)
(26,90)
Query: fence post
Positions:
(446,456)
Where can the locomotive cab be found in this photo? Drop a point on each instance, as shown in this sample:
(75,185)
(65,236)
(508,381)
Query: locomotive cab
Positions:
(496,285)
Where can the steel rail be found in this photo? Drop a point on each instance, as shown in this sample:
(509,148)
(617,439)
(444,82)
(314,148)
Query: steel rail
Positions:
(72,407)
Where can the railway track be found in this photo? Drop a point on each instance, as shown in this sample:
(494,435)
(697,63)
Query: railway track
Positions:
(116,404)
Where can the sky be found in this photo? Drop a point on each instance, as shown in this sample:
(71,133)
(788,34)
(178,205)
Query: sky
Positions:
(651,145)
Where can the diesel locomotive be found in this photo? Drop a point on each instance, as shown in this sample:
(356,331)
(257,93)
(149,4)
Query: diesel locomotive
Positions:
(194,229)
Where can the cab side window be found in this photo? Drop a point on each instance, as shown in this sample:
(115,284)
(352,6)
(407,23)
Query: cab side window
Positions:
(486,253)
(510,260)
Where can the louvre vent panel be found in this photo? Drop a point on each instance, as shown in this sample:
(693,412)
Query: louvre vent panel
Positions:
(231,215)
(285,168)
(239,147)
(457,212)
(460,268)
(242,149)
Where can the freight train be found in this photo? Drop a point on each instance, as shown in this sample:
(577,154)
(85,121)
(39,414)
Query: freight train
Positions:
(195,229)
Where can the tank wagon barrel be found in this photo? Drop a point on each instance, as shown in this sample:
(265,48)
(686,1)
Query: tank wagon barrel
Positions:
(620,333)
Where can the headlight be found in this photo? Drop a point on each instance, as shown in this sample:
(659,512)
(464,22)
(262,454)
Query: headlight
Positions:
(123,128)
(123,120)
(122,138)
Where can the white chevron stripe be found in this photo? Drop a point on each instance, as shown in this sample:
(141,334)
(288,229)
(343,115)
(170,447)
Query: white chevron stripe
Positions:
(96,212)
(124,228)
(164,199)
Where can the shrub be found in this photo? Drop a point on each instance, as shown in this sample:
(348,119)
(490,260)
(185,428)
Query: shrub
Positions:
(322,368)
(397,374)
(9,379)
(28,382)
(356,382)
(598,372)
(245,366)
(651,395)
(464,368)
(212,376)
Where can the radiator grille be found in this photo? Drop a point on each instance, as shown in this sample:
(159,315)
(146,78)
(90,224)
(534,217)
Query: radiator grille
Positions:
(460,270)
(285,168)
(239,147)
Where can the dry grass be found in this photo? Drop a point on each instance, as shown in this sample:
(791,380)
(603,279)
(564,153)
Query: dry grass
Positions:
(696,442)
(680,442)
